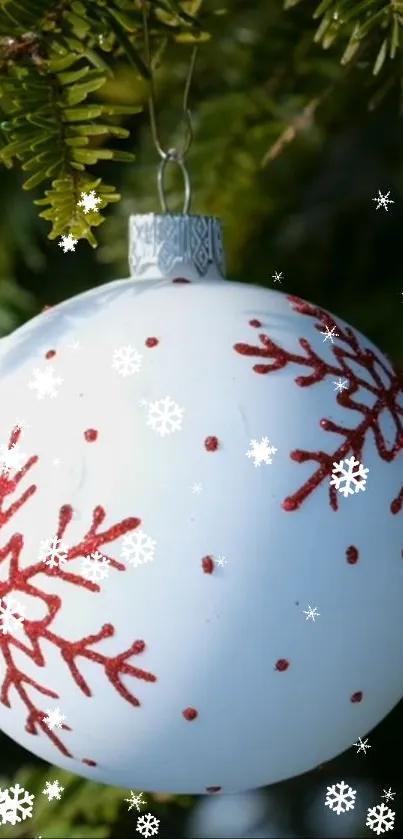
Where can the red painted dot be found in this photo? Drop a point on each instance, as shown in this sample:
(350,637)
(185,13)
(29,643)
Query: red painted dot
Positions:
(356,697)
(151,342)
(352,555)
(208,564)
(138,647)
(213,789)
(89,762)
(190,714)
(255,322)
(211,444)
(179,280)
(90,435)
(282,664)
(50,354)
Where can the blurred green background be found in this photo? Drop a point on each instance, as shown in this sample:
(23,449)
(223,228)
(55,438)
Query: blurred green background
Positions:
(290,148)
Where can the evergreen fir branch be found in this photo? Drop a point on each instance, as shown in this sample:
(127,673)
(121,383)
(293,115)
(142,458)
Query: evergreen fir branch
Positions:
(360,24)
(51,61)
(62,200)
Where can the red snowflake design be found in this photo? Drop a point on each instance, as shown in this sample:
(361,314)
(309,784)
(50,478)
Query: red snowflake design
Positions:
(23,580)
(346,351)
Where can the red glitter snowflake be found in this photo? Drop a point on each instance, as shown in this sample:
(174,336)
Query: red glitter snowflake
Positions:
(39,631)
(346,352)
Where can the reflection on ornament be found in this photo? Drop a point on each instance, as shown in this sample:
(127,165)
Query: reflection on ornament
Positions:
(177,675)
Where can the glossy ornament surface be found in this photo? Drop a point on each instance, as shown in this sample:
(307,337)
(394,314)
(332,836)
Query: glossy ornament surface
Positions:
(169,628)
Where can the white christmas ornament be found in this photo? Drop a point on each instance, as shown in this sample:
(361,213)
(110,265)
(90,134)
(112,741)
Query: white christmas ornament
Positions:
(185,663)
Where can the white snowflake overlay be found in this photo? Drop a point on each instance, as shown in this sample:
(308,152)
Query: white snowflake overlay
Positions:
(53,790)
(68,243)
(388,795)
(311,613)
(341,384)
(89,201)
(138,548)
(260,452)
(362,745)
(126,360)
(380,819)
(135,800)
(15,805)
(11,614)
(165,416)
(54,719)
(351,479)
(340,798)
(45,382)
(53,552)
(147,825)
(95,567)
(383,200)
(330,334)
(11,458)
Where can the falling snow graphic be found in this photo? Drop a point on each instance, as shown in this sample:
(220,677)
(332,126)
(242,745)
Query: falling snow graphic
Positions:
(362,745)
(53,552)
(330,334)
(95,567)
(341,384)
(138,548)
(260,452)
(68,243)
(15,805)
(11,614)
(135,800)
(388,795)
(53,790)
(89,201)
(277,277)
(54,719)
(164,416)
(45,382)
(383,200)
(380,819)
(311,613)
(340,798)
(147,825)
(11,459)
(126,361)
(350,480)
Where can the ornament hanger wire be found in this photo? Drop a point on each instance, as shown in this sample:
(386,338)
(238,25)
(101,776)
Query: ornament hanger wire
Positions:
(174,156)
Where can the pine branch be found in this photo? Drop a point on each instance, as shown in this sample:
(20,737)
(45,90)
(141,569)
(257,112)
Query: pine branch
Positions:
(53,57)
(360,23)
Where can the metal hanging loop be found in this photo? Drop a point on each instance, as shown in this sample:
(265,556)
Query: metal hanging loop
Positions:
(173,155)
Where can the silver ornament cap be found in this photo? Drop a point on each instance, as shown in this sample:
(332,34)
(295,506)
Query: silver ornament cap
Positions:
(166,246)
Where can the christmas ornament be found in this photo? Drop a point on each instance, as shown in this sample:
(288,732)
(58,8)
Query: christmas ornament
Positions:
(200,523)
(161,638)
